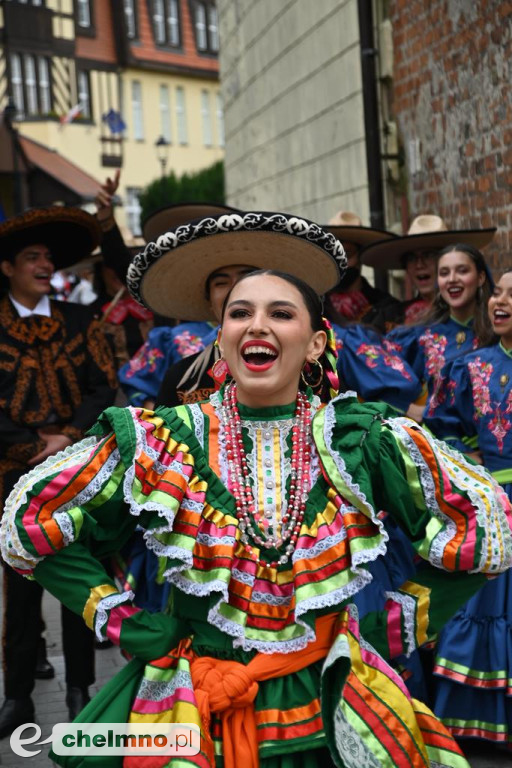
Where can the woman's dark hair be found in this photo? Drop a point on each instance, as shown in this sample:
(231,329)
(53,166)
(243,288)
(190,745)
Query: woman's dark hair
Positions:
(440,311)
(311,299)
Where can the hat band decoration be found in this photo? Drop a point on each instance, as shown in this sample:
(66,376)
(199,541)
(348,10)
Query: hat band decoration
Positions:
(244,223)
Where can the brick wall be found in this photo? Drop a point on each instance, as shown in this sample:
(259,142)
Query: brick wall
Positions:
(452,99)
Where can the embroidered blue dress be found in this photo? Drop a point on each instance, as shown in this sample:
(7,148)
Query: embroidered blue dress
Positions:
(371,370)
(473,688)
(428,348)
(141,377)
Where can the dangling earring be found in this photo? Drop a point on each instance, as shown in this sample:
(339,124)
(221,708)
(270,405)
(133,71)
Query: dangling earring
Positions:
(307,371)
(220,371)
(479,294)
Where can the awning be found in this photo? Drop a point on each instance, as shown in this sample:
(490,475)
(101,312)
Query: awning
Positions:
(57,167)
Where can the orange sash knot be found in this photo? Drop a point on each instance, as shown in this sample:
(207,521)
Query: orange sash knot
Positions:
(228,688)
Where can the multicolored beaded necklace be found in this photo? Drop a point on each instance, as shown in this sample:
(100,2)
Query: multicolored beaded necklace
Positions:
(248,516)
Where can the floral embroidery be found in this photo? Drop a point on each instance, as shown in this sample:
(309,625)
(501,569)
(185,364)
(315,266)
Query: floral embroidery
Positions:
(146,358)
(392,346)
(499,425)
(480,374)
(434,345)
(373,352)
(188,343)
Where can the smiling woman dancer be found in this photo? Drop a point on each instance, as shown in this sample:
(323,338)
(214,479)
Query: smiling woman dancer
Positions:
(473,694)
(263,506)
(457,322)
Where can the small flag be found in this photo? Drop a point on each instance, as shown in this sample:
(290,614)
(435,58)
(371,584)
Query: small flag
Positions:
(114,121)
(70,116)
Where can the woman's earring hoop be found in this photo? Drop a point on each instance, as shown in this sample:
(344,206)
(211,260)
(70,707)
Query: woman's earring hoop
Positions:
(306,372)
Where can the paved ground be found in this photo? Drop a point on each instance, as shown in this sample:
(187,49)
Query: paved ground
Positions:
(50,707)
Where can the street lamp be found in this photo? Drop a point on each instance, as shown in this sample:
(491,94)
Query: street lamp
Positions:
(162,152)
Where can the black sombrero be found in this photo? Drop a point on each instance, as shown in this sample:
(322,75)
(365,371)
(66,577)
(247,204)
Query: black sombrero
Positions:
(171,216)
(170,275)
(70,234)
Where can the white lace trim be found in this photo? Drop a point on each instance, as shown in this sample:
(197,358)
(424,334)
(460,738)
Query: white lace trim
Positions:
(105,605)
(213,541)
(441,540)
(245,578)
(159,690)
(496,523)
(12,549)
(320,546)
(66,526)
(198,419)
(267,598)
(237,632)
(489,517)
(408,606)
(366,555)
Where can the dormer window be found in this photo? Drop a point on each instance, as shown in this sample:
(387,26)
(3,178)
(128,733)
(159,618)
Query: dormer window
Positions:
(166,22)
(206,26)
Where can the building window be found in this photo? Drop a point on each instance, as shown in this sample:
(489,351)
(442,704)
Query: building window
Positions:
(84,95)
(220,121)
(45,94)
(202,40)
(31,87)
(83,13)
(166,22)
(213,28)
(129,15)
(165,113)
(133,210)
(206,26)
(17,83)
(173,23)
(181,115)
(137,116)
(30,84)
(206,116)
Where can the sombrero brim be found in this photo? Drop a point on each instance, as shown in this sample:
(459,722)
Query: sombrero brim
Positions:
(388,254)
(359,235)
(171,216)
(70,234)
(170,276)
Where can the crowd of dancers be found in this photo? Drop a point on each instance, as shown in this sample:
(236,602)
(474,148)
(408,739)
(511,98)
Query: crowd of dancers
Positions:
(442,358)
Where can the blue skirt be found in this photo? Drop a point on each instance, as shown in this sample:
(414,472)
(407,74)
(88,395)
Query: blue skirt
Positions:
(473,668)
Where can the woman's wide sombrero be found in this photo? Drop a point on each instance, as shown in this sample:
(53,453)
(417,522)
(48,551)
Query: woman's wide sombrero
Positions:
(170,275)
(70,234)
(171,216)
(427,232)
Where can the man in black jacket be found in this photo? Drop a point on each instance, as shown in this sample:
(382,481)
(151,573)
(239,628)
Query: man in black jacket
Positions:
(56,376)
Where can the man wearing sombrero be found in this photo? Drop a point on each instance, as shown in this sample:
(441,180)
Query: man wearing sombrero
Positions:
(56,376)
(354,299)
(417,253)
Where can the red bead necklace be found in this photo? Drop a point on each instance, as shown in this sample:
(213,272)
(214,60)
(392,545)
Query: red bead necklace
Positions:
(248,516)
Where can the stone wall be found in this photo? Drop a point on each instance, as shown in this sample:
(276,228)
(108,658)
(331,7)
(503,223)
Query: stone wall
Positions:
(452,99)
(291,82)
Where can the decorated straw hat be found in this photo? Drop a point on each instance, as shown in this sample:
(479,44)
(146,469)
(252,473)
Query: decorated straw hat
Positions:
(70,234)
(171,274)
(171,216)
(348,227)
(426,232)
